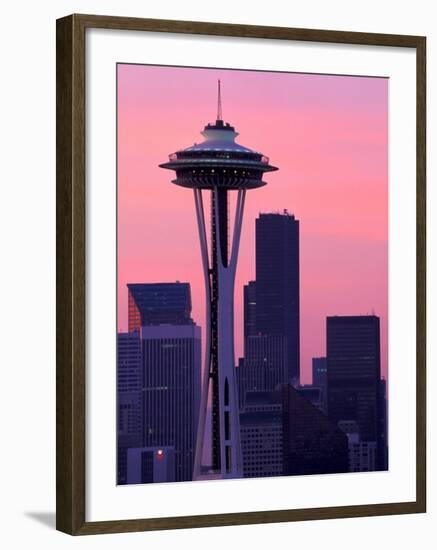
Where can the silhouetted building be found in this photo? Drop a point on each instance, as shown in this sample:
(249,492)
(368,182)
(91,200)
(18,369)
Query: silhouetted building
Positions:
(249,291)
(171,390)
(313,394)
(150,465)
(312,444)
(129,398)
(261,434)
(353,363)
(158,303)
(264,367)
(277,284)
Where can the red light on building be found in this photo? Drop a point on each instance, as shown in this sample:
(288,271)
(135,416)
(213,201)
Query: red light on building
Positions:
(160,453)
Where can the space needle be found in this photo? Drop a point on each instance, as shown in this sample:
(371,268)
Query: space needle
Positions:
(219,165)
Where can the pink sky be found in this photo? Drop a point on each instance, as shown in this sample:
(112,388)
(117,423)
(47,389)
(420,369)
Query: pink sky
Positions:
(329,137)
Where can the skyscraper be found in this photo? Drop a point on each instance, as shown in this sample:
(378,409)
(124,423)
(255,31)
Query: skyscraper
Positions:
(277,284)
(158,303)
(219,166)
(354,386)
(261,434)
(171,391)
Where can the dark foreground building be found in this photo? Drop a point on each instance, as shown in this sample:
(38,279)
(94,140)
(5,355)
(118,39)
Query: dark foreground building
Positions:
(312,443)
(354,377)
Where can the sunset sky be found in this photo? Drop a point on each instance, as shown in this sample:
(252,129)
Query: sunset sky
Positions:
(329,137)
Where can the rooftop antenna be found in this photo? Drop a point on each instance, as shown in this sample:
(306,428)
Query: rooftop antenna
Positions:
(219,101)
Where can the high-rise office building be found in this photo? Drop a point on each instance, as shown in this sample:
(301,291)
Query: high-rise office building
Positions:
(158,303)
(129,398)
(171,391)
(261,434)
(277,284)
(354,385)
(312,443)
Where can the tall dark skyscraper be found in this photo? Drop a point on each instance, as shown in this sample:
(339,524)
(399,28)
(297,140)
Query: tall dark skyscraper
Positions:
(277,284)
(158,303)
(354,375)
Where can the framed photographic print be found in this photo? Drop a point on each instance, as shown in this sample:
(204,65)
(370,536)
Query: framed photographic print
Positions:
(240,274)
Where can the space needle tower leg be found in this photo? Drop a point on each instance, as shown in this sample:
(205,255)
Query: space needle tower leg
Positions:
(230,444)
(223,376)
(207,365)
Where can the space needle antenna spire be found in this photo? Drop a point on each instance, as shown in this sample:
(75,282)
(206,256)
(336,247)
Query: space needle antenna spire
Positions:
(219,101)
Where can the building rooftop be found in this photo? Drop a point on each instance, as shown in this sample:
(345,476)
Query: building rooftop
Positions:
(161,299)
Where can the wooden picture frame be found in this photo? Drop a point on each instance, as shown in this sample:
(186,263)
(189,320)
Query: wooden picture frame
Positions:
(71,254)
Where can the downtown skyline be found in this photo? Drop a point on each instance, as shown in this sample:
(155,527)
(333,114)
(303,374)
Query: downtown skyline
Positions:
(340,200)
(346,410)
